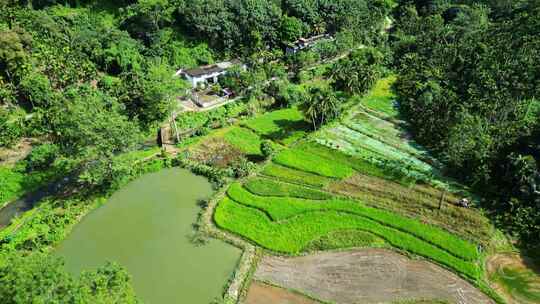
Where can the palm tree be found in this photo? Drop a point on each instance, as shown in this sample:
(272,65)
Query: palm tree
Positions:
(321,107)
(357,73)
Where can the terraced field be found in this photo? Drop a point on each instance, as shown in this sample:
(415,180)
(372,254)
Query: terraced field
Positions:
(360,178)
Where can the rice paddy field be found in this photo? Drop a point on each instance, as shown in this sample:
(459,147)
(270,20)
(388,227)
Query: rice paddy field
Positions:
(359,182)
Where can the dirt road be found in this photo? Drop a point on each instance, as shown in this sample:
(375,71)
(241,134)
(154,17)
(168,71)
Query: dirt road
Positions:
(367,276)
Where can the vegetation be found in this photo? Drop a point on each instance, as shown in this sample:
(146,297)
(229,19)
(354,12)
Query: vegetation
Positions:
(322,107)
(18,277)
(284,126)
(294,234)
(345,239)
(471,105)
(245,140)
(269,187)
(282,208)
(298,159)
(295,176)
(519,283)
(357,73)
(280,211)
(91,81)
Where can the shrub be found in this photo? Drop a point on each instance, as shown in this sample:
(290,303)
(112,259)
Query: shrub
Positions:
(42,156)
(267,148)
(10,184)
(216,176)
(243,167)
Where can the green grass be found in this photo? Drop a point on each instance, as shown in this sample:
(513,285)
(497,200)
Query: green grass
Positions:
(381,99)
(285,126)
(245,140)
(15,182)
(519,283)
(11,184)
(281,208)
(359,164)
(139,155)
(345,239)
(309,162)
(269,187)
(295,176)
(294,234)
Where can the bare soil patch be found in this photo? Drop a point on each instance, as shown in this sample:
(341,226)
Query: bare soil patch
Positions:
(367,276)
(215,152)
(515,277)
(260,293)
(9,156)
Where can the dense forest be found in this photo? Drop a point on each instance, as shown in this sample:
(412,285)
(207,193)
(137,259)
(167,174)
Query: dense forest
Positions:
(469,79)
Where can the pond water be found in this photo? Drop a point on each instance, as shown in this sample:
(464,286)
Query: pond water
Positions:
(145,227)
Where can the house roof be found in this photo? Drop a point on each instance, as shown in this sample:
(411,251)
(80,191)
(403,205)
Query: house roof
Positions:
(204,70)
(209,69)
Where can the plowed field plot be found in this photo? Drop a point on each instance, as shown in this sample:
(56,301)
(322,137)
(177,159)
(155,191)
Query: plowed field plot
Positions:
(367,276)
(260,293)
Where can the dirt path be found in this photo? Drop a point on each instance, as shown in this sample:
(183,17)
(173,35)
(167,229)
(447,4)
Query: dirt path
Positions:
(367,276)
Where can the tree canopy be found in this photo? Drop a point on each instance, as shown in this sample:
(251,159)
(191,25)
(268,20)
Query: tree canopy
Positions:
(468,83)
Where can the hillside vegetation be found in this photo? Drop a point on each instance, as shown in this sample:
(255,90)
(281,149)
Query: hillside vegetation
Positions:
(317,186)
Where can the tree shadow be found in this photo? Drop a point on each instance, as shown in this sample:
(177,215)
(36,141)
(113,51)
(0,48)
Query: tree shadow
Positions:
(531,259)
(286,127)
(255,158)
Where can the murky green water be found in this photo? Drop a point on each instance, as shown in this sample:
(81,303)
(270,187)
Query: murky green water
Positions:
(145,228)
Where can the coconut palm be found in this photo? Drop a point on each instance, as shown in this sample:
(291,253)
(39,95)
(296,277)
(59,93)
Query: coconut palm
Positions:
(321,107)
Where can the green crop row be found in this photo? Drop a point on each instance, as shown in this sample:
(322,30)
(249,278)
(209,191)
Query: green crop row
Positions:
(295,176)
(281,208)
(269,187)
(345,239)
(357,163)
(245,140)
(273,121)
(309,162)
(381,99)
(294,234)
(285,126)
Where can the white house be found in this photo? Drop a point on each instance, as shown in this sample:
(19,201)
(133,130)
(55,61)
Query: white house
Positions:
(207,73)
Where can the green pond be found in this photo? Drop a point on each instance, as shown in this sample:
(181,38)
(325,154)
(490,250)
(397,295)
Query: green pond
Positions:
(145,227)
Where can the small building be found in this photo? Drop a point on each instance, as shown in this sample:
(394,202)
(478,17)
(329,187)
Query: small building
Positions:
(304,43)
(207,73)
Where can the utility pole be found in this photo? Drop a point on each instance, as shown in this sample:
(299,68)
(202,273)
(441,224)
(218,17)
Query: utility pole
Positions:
(443,193)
